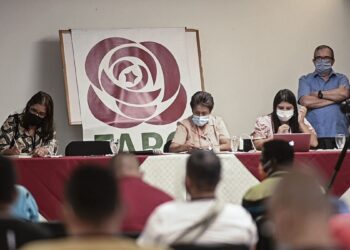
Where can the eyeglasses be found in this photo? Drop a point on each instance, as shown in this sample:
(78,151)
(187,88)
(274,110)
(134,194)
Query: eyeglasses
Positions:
(36,112)
(316,58)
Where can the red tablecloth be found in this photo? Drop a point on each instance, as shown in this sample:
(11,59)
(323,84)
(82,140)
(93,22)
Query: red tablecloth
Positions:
(45,177)
(323,161)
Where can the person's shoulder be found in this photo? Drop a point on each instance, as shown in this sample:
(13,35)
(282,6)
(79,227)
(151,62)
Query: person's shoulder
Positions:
(185,122)
(236,211)
(264,119)
(45,245)
(217,119)
(307,76)
(253,193)
(340,75)
(85,243)
(170,209)
(11,118)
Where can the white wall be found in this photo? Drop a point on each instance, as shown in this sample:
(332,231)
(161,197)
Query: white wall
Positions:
(250,48)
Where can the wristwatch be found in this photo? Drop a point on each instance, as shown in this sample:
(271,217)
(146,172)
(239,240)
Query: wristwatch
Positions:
(320,95)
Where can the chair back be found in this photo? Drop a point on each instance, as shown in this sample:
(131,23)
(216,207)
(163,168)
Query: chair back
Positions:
(167,146)
(86,148)
(56,229)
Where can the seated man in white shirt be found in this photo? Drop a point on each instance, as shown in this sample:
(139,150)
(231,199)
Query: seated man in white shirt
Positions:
(202,220)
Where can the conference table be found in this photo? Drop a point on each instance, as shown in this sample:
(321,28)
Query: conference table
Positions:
(45,177)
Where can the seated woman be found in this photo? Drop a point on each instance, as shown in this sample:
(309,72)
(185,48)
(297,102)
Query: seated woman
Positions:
(284,118)
(30,132)
(201,130)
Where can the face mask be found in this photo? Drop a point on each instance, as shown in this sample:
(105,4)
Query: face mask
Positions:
(34,120)
(200,121)
(285,115)
(323,66)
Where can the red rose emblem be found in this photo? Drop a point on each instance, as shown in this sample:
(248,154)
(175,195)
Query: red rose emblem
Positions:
(142,79)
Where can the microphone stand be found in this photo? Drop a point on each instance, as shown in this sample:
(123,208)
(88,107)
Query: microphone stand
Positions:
(338,164)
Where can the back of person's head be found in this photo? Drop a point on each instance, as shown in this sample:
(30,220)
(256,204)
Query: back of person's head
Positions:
(299,209)
(276,155)
(7,181)
(125,164)
(204,170)
(92,194)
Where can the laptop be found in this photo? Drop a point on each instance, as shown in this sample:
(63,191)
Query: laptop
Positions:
(299,141)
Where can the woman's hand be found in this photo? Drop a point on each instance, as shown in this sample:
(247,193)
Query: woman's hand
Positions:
(11,151)
(41,152)
(302,114)
(189,147)
(283,129)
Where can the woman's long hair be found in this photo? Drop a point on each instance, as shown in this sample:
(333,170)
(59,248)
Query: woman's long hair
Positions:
(47,128)
(285,95)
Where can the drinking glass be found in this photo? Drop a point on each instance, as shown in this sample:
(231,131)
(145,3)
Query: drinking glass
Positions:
(340,140)
(235,143)
(114,145)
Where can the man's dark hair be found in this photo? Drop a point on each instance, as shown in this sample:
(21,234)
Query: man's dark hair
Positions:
(202,98)
(276,155)
(204,169)
(92,192)
(323,47)
(7,181)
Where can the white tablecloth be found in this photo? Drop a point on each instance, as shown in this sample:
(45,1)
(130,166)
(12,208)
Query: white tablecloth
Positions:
(167,172)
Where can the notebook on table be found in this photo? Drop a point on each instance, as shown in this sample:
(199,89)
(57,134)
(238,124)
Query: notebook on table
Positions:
(299,141)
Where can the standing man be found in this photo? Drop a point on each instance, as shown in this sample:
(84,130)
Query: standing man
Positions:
(322,92)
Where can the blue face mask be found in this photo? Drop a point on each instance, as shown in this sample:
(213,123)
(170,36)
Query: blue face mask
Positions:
(200,121)
(323,66)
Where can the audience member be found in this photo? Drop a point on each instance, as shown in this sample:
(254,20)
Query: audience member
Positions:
(300,212)
(25,206)
(340,229)
(139,198)
(201,130)
(203,219)
(91,213)
(285,118)
(322,92)
(32,131)
(13,232)
(275,162)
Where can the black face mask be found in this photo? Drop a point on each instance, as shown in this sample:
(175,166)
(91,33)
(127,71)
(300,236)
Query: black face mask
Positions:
(34,120)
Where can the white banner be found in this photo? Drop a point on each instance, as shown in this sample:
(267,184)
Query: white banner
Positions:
(135,84)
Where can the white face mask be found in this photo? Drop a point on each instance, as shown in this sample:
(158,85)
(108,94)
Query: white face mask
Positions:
(200,121)
(285,115)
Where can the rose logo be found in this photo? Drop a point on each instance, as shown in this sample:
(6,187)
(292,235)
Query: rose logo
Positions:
(134,83)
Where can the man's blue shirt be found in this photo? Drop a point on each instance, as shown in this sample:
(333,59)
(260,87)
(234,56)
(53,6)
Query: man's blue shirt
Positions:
(329,120)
